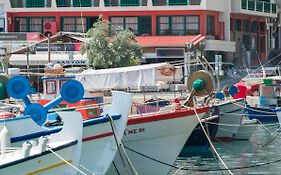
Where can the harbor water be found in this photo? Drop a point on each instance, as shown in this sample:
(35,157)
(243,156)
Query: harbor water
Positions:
(261,155)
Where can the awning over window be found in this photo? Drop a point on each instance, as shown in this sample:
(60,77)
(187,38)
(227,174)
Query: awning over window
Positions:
(168,41)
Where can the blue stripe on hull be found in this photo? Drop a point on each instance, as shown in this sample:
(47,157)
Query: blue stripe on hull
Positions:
(49,131)
(262,114)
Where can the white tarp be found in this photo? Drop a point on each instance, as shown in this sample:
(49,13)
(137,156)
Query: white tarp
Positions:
(132,77)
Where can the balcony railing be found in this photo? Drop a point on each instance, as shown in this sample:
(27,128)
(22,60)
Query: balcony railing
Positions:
(114,3)
(77,3)
(30,3)
(259,6)
(175,2)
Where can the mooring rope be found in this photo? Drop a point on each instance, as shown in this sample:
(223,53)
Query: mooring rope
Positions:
(119,142)
(210,142)
(65,161)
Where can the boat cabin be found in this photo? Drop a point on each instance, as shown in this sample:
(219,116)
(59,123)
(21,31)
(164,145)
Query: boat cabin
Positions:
(90,103)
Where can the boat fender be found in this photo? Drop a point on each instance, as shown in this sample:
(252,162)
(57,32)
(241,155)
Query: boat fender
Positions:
(5,140)
(42,145)
(26,147)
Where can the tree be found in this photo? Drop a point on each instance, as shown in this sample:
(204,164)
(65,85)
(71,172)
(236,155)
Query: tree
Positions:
(106,51)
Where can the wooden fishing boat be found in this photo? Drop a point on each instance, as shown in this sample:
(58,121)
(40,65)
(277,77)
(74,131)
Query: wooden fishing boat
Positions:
(52,154)
(99,146)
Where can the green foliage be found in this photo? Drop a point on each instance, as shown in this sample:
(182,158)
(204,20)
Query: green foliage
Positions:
(104,51)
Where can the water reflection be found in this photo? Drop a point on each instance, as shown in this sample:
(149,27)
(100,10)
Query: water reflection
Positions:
(261,155)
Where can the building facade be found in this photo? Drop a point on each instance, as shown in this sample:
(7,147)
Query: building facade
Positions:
(237,29)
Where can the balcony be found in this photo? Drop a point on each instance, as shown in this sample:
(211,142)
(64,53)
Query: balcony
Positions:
(77,3)
(30,3)
(259,6)
(115,3)
(255,7)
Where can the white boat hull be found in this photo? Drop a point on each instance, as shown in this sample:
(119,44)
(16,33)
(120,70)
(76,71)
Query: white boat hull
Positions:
(99,146)
(160,140)
(42,160)
(48,164)
(231,113)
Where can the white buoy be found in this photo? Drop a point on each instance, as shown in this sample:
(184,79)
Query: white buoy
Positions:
(5,140)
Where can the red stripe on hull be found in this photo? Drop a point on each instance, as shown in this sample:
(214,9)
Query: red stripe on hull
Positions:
(86,139)
(224,139)
(183,112)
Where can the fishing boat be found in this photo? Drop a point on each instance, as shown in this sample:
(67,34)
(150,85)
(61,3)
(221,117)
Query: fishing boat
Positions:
(146,133)
(231,114)
(155,139)
(99,146)
(52,154)
(266,97)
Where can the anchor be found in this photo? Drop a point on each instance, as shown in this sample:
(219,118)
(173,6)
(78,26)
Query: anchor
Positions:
(18,87)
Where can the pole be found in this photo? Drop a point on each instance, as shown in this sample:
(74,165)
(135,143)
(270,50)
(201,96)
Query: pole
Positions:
(27,58)
(49,50)
(186,66)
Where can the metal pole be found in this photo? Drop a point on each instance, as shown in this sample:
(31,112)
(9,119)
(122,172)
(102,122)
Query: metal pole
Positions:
(49,50)
(186,66)
(27,58)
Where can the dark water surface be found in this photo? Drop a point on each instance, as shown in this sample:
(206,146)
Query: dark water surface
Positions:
(261,155)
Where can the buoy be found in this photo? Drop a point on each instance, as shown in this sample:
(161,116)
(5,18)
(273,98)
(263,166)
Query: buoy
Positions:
(5,140)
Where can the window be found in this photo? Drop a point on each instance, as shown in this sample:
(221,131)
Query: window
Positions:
(131,23)
(210,25)
(51,87)
(178,25)
(245,26)
(164,27)
(31,24)
(254,27)
(192,25)
(262,27)
(74,24)
(63,3)
(117,24)
(35,24)
(170,53)
(139,25)
(237,24)
(231,24)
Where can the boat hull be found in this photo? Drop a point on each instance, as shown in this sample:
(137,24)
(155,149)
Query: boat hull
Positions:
(261,114)
(99,146)
(150,140)
(197,143)
(45,163)
(231,113)
(246,129)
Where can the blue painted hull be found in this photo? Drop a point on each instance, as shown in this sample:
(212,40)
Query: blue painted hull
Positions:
(262,114)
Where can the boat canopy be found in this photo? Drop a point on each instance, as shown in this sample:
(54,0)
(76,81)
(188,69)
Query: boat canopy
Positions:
(132,77)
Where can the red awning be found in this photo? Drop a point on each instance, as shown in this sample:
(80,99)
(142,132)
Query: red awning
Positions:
(168,41)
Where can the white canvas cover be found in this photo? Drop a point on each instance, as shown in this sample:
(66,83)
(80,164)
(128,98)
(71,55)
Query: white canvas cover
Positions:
(132,77)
